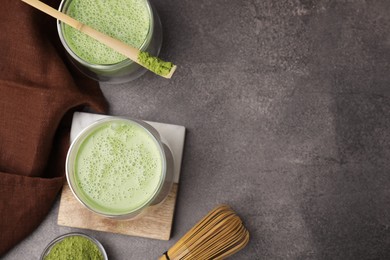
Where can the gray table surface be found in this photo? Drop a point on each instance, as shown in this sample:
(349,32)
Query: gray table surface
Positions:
(287,110)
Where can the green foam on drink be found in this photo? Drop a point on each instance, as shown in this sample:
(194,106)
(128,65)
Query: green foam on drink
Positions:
(118,168)
(126,20)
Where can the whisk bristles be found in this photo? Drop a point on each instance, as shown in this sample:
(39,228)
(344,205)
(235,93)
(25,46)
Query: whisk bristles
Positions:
(218,235)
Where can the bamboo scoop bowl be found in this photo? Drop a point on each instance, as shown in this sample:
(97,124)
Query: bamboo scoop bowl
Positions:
(218,235)
(127,50)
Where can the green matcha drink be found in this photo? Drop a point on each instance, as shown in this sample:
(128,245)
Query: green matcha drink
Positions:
(125,20)
(134,22)
(118,167)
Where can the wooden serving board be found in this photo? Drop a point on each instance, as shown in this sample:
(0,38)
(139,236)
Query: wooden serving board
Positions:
(155,222)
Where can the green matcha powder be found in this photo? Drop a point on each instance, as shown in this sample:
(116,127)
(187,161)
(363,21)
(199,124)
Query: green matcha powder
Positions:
(74,247)
(155,64)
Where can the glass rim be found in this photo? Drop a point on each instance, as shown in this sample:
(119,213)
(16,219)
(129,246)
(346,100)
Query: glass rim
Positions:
(113,66)
(80,138)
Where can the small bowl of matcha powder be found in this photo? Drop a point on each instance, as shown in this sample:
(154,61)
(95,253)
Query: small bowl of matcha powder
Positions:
(74,246)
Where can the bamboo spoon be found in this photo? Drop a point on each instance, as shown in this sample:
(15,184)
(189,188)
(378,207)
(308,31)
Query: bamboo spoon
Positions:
(218,235)
(127,50)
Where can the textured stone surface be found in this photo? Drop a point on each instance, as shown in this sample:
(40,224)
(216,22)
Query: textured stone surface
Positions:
(288,115)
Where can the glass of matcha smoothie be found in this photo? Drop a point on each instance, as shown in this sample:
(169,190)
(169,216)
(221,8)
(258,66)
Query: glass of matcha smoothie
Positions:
(134,22)
(118,167)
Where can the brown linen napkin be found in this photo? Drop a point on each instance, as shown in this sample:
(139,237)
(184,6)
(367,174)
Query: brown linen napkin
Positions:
(37,98)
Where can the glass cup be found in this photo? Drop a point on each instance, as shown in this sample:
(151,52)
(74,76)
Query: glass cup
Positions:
(114,179)
(46,251)
(122,71)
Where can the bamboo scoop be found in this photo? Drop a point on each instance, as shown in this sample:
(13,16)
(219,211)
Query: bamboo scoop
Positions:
(127,50)
(218,235)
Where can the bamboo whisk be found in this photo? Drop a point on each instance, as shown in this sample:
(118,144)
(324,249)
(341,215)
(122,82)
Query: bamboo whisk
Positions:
(218,235)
